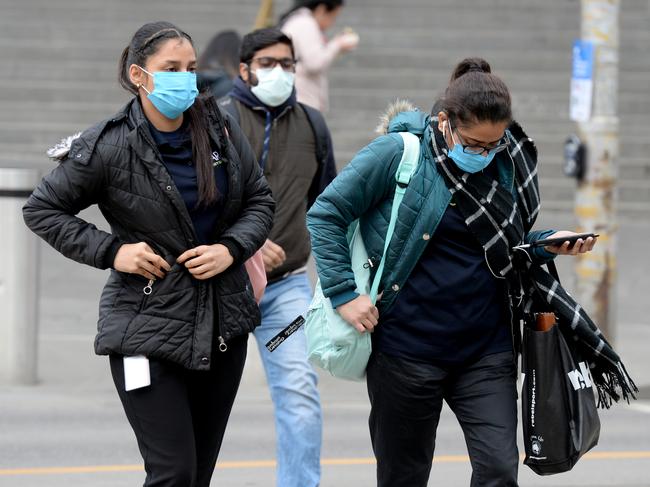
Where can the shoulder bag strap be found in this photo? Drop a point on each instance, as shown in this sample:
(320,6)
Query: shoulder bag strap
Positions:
(407,166)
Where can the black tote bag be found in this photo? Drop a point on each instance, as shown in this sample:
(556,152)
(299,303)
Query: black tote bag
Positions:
(559,417)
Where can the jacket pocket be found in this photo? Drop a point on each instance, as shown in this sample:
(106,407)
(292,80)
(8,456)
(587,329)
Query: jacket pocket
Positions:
(138,288)
(171,297)
(238,313)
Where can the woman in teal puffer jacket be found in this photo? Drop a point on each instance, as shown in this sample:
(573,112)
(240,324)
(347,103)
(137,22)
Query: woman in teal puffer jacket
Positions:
(443,328)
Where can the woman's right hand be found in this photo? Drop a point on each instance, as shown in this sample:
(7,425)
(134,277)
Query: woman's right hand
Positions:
(140,259)
(360,313)
(347,41)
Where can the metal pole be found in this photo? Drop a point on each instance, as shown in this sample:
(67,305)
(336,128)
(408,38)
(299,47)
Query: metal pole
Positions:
(18,280)
(597,196)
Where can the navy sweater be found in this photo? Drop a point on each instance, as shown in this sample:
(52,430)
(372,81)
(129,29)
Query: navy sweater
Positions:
(451,310)
(176,151)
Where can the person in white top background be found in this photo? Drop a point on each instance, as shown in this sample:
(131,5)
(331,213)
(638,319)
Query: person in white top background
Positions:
(306,23)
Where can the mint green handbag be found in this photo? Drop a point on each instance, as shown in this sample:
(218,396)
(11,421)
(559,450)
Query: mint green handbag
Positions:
(333,344)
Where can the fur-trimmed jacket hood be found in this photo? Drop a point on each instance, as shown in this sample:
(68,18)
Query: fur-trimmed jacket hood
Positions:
(402,116)
(60,151)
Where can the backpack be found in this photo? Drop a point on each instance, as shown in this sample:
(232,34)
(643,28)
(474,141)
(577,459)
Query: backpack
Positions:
(324,150)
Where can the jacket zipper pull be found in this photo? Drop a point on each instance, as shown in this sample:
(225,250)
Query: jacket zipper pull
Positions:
(222,344)
(148,289)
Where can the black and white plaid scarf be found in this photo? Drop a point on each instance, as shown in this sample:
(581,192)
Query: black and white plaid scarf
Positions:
(500,222)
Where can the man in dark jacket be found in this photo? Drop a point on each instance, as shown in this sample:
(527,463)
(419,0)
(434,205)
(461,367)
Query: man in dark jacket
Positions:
(294,150)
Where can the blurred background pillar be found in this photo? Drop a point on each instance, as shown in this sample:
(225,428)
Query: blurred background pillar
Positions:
(265,15)
(597,194)
(19,280)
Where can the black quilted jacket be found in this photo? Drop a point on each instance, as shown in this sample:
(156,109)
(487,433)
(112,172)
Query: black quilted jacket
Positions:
(116,165)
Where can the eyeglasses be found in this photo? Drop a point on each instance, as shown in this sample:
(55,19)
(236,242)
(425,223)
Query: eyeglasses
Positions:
(501,144)
(267,62)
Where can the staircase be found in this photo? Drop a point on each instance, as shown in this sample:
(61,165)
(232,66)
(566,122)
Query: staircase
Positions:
(410,47)
(60,57)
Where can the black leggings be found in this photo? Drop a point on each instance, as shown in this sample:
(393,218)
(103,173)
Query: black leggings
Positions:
(406,399)
(180,419)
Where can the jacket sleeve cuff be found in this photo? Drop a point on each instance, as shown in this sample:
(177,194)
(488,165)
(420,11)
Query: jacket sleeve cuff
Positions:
(540,252)
(109,256)
(342,298)
(233,247)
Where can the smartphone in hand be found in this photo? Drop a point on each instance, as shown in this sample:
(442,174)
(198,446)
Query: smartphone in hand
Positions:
(557,242)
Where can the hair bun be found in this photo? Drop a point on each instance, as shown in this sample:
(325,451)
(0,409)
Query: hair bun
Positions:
(469,65)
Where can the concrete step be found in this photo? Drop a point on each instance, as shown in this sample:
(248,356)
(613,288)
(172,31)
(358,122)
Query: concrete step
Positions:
(444,60)
(506,38)
(436,59)
(629,210)
(634,168)
(564,190)
(124,13)
(517,81)
(476,16)
(540,104)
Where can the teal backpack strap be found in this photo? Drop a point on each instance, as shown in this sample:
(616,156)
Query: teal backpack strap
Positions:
(407,166)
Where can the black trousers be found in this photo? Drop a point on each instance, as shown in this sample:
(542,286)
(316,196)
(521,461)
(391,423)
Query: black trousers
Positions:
(180,419)
(406,400)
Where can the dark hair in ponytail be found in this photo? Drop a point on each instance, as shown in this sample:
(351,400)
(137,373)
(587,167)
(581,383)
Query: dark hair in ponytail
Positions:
(475,95)
(145,43)
(311,5)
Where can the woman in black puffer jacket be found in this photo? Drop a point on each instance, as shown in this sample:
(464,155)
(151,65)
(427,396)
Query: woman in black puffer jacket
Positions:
(187,205)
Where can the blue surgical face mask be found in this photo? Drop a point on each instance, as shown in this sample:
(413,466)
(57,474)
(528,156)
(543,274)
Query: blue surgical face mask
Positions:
(274,86)
(173,92)
(470,163)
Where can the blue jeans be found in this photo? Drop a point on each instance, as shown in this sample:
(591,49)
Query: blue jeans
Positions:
(292,382)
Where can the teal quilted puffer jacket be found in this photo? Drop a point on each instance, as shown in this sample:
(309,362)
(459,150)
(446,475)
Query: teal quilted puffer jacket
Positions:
(364,189)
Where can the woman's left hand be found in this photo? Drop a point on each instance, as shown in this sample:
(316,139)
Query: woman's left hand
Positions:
(567,248)
(206,261)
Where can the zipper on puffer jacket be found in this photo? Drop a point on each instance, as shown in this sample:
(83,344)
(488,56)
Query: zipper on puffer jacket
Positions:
(147,290)
(223,346)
